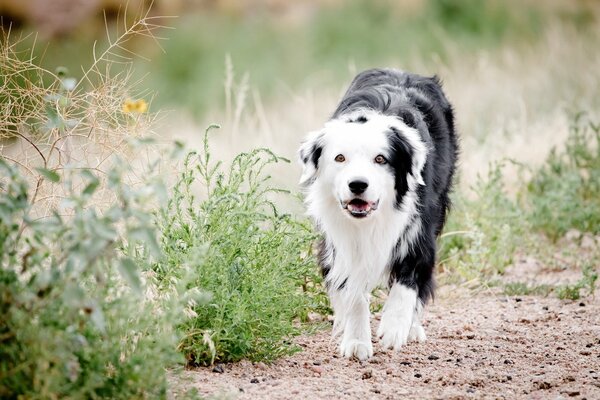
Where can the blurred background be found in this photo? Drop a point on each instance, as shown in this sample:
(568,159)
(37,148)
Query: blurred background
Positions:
(269,71)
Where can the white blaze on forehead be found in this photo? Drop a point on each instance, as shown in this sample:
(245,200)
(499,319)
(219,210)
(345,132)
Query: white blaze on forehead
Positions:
(372,137)
(355,137)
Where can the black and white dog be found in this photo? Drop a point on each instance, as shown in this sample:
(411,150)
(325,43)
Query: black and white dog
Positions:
(377,178)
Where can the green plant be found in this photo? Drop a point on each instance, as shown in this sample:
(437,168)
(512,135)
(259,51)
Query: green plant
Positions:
(74,322)
(483,231)
(586,283)
(524,289)
(234,244)
(564,193)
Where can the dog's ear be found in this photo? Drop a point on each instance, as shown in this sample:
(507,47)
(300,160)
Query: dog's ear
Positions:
(310,152)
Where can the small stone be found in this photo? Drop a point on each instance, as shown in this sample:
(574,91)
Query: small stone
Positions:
(433,357)
(367,375)
(507,361)
(542,385)
(316,369)
(389,371)
(376,390)
(585,353)
(417,375)
(470,390)
(572,393)
(518,299)
(470,336)
(569,378)
(218,369)
(545,308)
(582,304)
(316,362)
(254,380)
(404,362)
(261,365)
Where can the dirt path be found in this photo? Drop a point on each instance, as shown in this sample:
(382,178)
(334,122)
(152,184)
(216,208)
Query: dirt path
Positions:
(479,346)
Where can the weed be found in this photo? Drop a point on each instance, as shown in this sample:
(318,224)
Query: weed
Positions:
(75,317)
(586,283)
(254,262)
(524,289)
(564,193)
(74,322)
(482,232)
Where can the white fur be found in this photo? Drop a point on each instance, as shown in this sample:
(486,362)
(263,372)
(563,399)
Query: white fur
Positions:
(364,247)
(397,317)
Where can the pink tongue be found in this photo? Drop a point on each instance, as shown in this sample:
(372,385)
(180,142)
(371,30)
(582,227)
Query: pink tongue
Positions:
(358,206)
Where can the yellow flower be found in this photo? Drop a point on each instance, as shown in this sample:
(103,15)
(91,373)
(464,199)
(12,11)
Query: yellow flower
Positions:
(134,106)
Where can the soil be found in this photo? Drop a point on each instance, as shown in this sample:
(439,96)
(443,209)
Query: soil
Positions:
(480,345)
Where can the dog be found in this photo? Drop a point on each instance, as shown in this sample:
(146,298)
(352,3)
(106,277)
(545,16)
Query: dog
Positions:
(377,179)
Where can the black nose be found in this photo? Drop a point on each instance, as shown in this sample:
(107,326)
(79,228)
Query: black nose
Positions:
(358,186)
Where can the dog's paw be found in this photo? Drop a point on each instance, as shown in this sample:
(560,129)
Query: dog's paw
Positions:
(393,333)
(357,348)
(417,333)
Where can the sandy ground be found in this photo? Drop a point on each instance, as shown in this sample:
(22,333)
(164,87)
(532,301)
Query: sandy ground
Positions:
(479,346)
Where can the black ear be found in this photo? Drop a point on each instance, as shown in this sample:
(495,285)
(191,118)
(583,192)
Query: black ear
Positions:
(400,159)
(310,152)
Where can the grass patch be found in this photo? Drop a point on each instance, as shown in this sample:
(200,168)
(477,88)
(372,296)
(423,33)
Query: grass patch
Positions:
(524,289)
(584,286)
(484,230)
(565,192)
(487,226)
(254,262)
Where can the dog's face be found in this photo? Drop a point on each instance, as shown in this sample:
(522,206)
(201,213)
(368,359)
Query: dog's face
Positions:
(362,162)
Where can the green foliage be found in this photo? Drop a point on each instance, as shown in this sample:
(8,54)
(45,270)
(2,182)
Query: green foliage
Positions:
(73,319)
(565,192)
(587,283)
(523,289)
(486,228)
(483,230)
(253,261)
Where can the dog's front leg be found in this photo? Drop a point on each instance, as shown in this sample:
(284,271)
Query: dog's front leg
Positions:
(398,316)
(352,318)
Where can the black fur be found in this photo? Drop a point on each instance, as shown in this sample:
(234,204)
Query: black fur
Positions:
(420,102)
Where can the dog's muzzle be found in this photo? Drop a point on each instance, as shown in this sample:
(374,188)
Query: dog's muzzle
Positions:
(359,208)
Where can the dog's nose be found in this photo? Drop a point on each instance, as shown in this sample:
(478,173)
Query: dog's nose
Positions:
(358,186)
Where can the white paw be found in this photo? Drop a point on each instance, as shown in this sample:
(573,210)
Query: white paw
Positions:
(417,333)
(394,332)
(357,348)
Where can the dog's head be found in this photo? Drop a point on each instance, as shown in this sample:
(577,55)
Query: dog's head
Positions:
(363,161)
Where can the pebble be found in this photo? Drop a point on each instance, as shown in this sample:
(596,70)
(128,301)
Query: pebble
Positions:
(218,369)
(367,374)
(389,371)
(433,357)
(261,365)
(254,380)
(417,375)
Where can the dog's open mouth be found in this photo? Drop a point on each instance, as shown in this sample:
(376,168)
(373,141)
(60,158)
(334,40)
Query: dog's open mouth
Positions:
(359,208)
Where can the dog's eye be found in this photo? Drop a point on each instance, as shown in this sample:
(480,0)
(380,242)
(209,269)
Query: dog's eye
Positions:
(340,158)
(380,159)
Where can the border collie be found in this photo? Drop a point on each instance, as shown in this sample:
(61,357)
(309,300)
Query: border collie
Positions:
(377,178)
